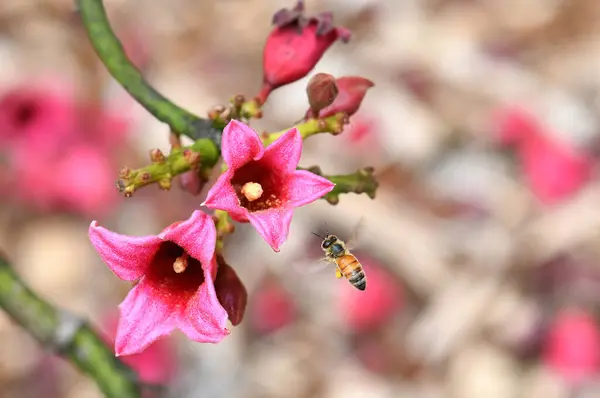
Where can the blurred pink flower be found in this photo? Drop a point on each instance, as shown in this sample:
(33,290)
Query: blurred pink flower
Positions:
(271,172)
(370,309)
(85,181)
(272,307)
(58,154)
(361,132)
(554,170)
(295,46)
(176,272)
(572,346)
(36,117)
(157,364)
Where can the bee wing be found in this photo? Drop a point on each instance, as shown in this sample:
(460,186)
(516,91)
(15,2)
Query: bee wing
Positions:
(311,267)
(352,242)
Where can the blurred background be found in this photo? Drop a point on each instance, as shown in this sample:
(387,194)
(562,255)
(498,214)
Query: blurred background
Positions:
(482,247)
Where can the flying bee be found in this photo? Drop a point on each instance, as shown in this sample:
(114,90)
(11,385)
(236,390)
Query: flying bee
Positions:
(347,264)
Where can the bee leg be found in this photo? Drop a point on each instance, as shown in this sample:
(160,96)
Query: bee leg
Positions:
(338,273)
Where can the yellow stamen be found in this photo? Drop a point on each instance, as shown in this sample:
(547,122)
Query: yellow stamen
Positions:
(252,191)
(180,263)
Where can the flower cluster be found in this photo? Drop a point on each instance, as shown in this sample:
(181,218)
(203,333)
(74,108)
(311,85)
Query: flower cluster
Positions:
(182,280)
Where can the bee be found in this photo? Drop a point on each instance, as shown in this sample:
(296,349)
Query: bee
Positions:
(347,264)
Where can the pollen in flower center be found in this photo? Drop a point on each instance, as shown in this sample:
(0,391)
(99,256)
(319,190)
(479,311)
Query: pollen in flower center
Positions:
(252,191)
(173,273)
(259,187)
(181,263)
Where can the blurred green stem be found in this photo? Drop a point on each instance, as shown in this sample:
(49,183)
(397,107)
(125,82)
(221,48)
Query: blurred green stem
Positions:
(111,53)
(66,335)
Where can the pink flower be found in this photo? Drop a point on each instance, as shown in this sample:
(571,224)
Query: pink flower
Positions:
(351,92)
(56,152)
(37,117)
(272,307)
(86,181)
(554,170)
(157,364)
(262,185)
(296,45)
(175,272)
(572,346)
(370,309)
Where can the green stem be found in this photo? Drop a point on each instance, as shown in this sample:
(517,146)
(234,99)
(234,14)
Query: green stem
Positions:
(66,335)
(202,154)
(111,53)
(361,181)
(332,124)
(224,226)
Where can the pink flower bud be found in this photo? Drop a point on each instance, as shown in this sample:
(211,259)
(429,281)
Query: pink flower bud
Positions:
(272,308)
(321,91)
(295,46)
(572,347)
(352,90)
(370,309)
(231,292)
(191,182)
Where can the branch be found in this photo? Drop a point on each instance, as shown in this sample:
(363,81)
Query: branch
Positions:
(66,334)
(361,181)
(110,51)
(332,124)
(202,155)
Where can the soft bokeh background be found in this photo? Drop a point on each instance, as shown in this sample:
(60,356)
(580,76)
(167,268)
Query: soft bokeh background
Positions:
(481,247)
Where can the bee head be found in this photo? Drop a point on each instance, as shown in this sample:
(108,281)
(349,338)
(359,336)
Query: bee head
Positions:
(328,241)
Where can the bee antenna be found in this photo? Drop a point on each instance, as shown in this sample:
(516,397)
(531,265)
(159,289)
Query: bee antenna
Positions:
(316,234)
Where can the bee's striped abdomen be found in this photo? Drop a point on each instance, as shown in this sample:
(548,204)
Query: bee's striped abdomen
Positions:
(352,271)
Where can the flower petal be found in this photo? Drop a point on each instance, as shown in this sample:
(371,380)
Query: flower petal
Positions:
(273,225)
(284,153)
(222,196)
(144,319)
(127,256)
(196,235)
(240,144)
(306,187)
(204,318)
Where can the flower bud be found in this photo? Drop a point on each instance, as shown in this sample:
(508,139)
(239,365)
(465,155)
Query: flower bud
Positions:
(295,46)
(351,91)
(231,292)
(191,182)
(321,91)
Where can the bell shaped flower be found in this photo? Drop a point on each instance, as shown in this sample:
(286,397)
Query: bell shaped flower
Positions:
(261,185)
(175,273)
(295,46)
